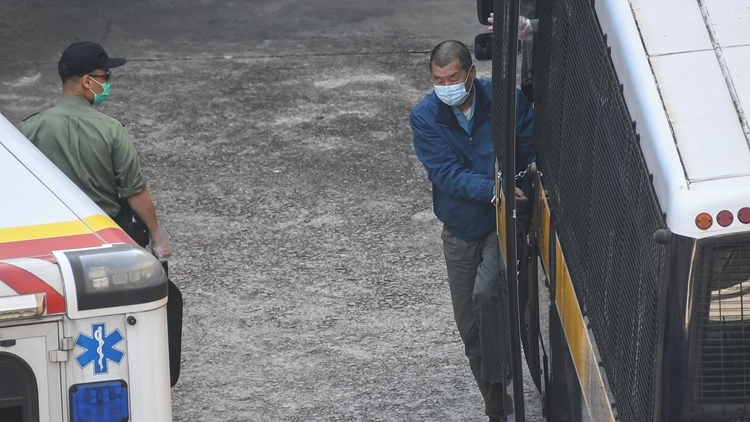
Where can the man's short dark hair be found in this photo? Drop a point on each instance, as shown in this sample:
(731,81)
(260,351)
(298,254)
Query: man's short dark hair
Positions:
(448,51)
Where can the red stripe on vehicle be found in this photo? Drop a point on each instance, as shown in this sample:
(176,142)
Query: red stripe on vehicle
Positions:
(49,258)
(24,283)
(115,235)
(39,247)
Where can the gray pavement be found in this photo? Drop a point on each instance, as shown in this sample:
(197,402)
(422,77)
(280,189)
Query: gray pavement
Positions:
(276,141)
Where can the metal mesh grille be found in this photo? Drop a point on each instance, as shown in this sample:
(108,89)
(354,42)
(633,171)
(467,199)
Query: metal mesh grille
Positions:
(601,195)
(499,109)
(499,80)
(720,337)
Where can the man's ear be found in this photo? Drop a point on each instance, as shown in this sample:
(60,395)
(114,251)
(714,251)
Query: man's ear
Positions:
(85,82)
(83,85)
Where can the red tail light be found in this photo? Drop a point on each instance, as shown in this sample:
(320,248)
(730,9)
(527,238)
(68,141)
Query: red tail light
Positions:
(725,218)
(744,215)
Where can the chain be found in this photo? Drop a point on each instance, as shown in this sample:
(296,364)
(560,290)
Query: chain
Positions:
(524,173)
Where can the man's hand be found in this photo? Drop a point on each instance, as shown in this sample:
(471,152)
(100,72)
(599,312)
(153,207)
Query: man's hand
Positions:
(521,198)
(525,30)
(160,245)
(143,206)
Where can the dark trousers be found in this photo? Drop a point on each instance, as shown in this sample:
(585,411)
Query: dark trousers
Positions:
(474,270)
(174,328)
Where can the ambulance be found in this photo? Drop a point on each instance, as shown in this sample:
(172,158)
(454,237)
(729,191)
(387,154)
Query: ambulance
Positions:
(83,329)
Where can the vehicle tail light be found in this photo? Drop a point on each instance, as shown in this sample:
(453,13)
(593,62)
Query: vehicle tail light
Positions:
(744,215)
(725,218)
(704,221)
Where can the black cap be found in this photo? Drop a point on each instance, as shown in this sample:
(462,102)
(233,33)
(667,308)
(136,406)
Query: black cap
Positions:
(85,57)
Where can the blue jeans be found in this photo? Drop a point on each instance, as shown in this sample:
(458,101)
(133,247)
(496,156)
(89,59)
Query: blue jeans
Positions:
(475,271)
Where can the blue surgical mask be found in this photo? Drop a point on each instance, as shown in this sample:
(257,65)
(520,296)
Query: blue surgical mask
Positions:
(453,95)
(99,98)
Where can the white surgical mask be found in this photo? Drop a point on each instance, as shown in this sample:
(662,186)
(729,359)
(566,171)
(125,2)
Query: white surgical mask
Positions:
(455,94)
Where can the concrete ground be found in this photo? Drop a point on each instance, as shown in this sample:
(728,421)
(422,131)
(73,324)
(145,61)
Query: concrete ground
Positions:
(275,138)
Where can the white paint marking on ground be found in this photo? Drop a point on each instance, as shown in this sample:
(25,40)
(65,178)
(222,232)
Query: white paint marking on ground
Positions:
(10,97)
(328,219)
(339,81)
(308,114)
(24,80)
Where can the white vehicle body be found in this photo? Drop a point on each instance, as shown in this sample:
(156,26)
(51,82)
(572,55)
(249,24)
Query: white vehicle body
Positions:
(643,229)
(685,70)
(83,333)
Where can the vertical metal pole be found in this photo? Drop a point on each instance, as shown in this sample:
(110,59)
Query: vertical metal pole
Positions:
(509,190)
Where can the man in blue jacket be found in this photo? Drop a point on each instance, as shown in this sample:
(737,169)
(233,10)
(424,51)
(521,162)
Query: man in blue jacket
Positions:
(453,139)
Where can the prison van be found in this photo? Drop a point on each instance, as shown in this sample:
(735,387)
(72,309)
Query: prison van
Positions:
(83,332)
(643,142)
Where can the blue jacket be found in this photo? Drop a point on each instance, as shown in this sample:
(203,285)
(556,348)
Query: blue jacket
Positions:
(461,165)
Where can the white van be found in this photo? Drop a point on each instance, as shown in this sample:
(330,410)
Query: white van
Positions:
(83,330)
(642,132)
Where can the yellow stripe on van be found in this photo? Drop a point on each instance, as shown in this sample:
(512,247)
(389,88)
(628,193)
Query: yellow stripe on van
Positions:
(579,339)
(43,231)
(100,222)
(500,220)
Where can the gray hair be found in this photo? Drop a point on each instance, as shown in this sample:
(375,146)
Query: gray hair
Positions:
(447,52)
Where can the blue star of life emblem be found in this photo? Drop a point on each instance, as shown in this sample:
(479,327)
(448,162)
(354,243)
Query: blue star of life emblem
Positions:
(99,348)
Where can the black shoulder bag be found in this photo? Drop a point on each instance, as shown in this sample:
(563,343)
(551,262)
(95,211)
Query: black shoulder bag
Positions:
(131,223)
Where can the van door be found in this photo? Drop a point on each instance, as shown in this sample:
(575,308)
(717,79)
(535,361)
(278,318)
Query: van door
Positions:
(30,385)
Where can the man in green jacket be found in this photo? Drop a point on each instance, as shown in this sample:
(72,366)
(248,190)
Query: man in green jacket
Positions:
(94,150)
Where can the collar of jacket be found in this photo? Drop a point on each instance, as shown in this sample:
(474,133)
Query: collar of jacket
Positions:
(446,117)
(75,100)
